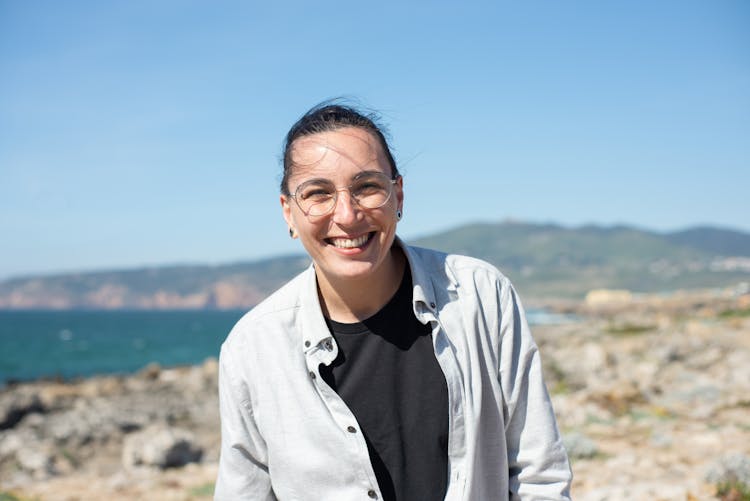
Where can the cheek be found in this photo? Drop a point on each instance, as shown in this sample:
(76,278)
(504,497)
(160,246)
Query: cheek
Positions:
(309,229)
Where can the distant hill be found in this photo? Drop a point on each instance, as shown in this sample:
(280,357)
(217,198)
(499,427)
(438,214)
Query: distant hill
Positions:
(547,260)
(543,260)
(236,285)
(713,240)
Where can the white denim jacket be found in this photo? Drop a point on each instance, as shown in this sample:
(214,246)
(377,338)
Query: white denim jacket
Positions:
(285,434)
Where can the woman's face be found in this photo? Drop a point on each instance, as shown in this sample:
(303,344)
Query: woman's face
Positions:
(350,242)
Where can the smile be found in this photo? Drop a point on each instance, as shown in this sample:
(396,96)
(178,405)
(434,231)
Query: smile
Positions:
(350,243)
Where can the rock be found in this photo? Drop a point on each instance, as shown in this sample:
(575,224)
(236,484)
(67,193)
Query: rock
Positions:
(608,297)
(11,442)
(15,405)
(594,358)
(579,446)
(160,446)
(37,461)
(211,368)
(617,397)
(151,371)
(661,440)
(732,469)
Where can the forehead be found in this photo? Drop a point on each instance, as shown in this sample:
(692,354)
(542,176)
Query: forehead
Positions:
(339,153)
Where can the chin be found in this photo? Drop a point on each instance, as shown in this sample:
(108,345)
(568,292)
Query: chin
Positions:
(353,271)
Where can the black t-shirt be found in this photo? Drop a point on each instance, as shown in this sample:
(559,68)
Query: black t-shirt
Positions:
(387,373)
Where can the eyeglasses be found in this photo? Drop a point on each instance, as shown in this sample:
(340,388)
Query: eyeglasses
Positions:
(317,197)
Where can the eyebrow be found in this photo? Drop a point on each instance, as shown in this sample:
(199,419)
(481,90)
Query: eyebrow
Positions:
(359,175)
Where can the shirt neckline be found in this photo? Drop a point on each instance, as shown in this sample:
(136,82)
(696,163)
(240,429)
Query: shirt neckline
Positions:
(404,289)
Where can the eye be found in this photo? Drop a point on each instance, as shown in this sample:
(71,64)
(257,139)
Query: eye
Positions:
(315,195)
(314,192)
(367,186)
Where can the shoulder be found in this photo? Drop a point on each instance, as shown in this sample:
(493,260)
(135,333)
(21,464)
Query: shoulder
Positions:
(457,267)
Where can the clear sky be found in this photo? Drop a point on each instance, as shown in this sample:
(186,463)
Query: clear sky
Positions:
(149,132)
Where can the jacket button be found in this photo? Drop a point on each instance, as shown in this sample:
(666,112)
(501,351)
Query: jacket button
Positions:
(432,305)
(312,375)
(351,429)
(372,494)
(307,344)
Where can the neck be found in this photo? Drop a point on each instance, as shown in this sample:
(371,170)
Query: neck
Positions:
(350,301)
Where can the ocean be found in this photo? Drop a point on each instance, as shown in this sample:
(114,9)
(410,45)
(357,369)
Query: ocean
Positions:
(73,344)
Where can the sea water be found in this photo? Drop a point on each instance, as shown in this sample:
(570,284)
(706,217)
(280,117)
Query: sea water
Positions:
(73,344)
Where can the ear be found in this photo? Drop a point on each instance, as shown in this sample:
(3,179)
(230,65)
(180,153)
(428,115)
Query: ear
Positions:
(286,209)
(399,188)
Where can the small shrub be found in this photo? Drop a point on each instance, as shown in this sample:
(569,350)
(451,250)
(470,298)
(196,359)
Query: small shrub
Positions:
(731,475)
(735,313)
(7,496)
(202,491)
(557,378)
(629,329)
(733,492)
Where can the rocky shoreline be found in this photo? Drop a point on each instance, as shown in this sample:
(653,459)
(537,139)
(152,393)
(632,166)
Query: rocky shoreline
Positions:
(652,396)
(111,437)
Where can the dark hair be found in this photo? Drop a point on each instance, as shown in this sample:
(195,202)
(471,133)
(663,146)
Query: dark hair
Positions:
(329,116)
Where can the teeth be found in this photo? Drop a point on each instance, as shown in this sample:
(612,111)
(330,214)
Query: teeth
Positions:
(349,243)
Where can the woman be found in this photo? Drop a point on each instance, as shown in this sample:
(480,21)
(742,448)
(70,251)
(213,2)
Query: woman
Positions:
(384,371)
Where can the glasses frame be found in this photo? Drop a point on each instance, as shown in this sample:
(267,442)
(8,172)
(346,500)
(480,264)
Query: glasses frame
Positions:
(392,183)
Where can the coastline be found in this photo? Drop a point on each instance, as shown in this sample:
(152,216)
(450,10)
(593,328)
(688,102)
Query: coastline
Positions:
(650,394)
(70,346)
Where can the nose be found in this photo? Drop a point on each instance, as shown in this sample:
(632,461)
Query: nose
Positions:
(346,209)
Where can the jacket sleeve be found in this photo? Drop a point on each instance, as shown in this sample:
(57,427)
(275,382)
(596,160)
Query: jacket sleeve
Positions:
(537,461)
(243,470)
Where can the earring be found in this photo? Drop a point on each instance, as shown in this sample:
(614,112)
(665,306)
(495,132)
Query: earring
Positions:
(398,214)
(291,232)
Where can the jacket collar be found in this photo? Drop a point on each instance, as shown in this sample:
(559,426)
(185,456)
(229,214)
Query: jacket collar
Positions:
(315,333)
(423,294)
(432,278)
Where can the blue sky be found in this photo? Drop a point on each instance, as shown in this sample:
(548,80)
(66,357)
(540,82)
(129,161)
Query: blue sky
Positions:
(149,132)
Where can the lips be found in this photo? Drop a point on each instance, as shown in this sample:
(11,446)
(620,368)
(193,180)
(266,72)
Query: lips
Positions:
(349,243)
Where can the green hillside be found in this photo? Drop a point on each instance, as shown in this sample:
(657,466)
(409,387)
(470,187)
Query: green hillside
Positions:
(551,260)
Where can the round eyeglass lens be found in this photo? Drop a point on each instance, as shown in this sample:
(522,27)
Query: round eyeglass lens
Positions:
(370,190)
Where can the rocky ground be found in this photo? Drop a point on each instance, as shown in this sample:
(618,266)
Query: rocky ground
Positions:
(652,394)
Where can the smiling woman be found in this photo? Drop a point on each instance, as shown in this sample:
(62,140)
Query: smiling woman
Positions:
(384,371)
(343,179)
